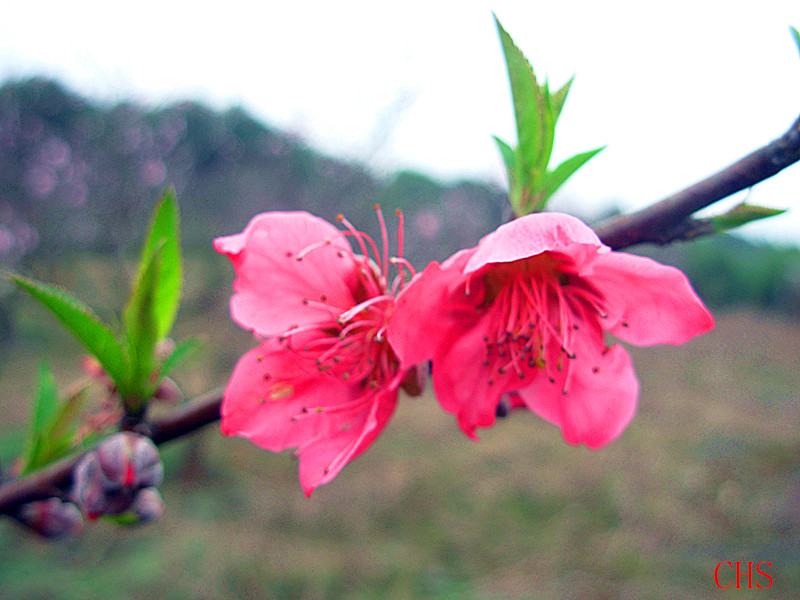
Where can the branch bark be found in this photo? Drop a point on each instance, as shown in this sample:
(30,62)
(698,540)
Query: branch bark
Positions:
(56,478)
(662,222)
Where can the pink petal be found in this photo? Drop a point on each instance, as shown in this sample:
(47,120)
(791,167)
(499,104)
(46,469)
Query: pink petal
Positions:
(465,386)
(533,234)
(647,302)
(278,402)
(601,397)
(275,290)
(423,313)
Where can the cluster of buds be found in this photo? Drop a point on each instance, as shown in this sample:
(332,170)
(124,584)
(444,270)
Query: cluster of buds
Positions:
(118,478)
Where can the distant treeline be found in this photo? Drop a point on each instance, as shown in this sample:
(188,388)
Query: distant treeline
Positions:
(86,175)
(79,175)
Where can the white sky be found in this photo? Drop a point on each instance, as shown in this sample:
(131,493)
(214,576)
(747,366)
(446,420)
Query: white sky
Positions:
(677,90)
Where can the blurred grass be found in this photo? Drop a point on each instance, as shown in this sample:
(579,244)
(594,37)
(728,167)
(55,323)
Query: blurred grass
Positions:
(709,471)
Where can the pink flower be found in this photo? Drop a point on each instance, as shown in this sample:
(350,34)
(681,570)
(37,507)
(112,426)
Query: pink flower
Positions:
(522,316)
(324,379)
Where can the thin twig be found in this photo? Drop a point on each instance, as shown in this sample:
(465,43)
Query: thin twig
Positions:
(54,479)
(654,223)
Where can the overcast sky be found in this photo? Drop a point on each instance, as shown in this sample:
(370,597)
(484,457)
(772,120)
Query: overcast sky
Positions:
(677,90)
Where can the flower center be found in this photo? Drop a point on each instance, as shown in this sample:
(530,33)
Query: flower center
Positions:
(352,344)
(538,309)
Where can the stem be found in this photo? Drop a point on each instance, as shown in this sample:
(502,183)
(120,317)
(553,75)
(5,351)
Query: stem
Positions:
(55,479)
(663,221)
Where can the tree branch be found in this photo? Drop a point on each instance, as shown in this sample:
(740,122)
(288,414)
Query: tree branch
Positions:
(55,479)
(661,222)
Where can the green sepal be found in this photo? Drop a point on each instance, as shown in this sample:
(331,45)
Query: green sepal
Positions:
(76,316)
(125,519)
(741,214)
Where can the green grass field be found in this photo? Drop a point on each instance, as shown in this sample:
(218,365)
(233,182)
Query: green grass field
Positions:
(708,471)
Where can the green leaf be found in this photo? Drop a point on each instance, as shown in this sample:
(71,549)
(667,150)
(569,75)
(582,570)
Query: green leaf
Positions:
(45,406)
(63,424)
(181,352)
(84,324)
(164,234)
(142,327)
(507,153)
(532,110)
(558,99)
(796,36)
(742,214)
(56,437)
(556,178)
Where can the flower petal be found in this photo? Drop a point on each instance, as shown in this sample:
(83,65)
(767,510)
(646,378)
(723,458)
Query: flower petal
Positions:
(601,397)
(464,385)
(291,269)
(277,402)
(647,302)
(533,234)
(423,314)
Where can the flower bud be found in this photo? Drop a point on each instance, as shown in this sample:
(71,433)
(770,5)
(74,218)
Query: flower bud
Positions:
(89,486)
(52,518)
(148,505)
(107,479)
(164,348)
(168,391)
(130,460)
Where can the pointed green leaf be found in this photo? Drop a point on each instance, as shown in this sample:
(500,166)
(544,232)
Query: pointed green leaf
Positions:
(507,153)
(45,407)
(63,425)
(46,399)
(164,233)
(742,214)
(84,324)
(556,178)
(57,437)
(181,352)
(142,325)
(547,130)
(531,112)
(559,98)
(796,36)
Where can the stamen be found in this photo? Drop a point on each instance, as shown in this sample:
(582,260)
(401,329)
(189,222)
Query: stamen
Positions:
(314,246)
(384,238)
(361,237)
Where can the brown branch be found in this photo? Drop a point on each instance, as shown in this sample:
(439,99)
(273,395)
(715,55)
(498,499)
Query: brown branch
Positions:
(55,479)
(661,222)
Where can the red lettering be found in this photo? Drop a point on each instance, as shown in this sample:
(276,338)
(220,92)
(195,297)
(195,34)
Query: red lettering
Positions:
(767,575)
(738,574)
(716,576)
